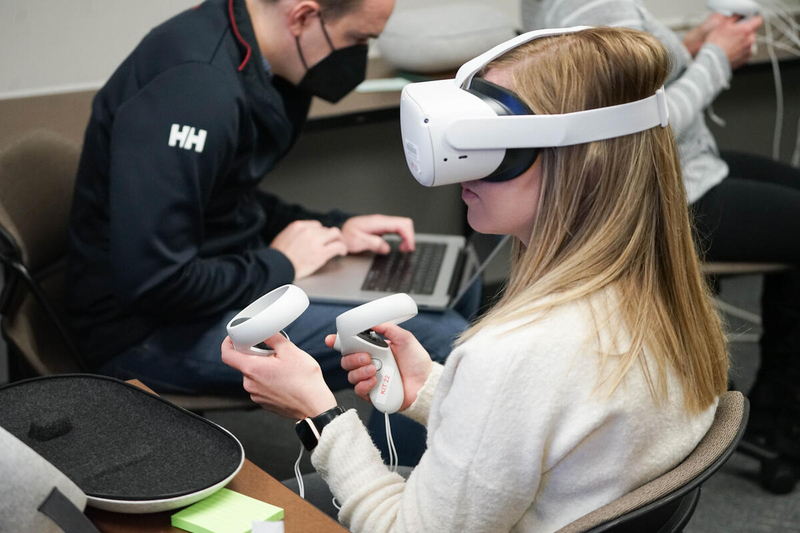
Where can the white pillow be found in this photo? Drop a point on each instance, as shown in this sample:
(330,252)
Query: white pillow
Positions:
(442,38)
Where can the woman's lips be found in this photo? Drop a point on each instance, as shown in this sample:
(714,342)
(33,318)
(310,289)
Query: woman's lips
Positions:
(467,193)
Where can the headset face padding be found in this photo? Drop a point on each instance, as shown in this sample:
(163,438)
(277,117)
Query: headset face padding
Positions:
(505,102)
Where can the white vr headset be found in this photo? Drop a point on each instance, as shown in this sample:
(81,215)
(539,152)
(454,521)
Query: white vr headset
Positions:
(469,129)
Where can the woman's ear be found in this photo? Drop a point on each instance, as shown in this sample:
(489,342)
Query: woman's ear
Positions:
(301,16)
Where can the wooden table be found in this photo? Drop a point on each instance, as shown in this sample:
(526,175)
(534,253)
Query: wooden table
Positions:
(299,515)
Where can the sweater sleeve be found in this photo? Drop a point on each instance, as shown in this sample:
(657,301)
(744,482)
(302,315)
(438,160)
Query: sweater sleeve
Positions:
(692,91)
(421,408)
(481,470)
(170,143)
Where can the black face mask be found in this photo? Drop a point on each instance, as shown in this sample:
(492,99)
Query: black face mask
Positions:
(338,73)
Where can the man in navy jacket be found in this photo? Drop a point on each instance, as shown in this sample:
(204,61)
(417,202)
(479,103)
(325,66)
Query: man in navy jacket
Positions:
(170,234)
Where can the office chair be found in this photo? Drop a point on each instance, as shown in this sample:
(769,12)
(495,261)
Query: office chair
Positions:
(777,475)
(666,504)
(715,271)
(37,177)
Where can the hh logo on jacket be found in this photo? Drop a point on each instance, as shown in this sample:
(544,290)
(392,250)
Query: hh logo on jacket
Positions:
(187,137)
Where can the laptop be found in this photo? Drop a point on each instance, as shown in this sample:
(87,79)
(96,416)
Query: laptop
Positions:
(436,274)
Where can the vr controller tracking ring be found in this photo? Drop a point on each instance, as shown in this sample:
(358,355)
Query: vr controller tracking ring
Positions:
(265,317)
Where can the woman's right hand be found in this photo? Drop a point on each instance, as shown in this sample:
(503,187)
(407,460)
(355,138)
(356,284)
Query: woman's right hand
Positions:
(736,38)
(412,359)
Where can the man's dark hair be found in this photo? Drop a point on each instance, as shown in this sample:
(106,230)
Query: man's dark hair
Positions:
(333,9)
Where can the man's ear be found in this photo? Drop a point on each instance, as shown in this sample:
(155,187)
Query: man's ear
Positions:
(302,15)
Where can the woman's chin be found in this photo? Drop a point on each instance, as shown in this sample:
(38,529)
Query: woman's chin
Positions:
(476,221)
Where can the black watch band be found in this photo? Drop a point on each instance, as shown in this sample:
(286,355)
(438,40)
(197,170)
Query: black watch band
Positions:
(309,429)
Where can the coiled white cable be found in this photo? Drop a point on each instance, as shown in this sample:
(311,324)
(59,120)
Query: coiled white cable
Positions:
(716,119)
(298,476)
(780,18)
(776,72)
(393,459)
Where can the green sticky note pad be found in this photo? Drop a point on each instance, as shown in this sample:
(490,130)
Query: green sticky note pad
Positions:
(225,511)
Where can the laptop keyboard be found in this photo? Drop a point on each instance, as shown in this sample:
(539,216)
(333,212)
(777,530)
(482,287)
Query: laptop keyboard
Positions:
(411,272)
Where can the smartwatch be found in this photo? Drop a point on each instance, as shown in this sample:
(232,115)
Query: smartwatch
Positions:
(309,429)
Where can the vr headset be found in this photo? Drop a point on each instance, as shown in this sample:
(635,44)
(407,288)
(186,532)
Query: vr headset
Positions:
(469,129)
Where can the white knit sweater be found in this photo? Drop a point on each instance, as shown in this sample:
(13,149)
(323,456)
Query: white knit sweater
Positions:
(518,438)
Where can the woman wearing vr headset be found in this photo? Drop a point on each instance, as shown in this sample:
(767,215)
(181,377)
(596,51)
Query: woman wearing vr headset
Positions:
(744,205)
(600,367)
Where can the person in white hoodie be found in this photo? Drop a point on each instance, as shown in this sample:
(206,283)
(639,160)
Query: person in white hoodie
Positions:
(598,370)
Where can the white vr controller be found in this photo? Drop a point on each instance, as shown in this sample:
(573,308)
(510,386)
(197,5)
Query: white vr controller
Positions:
(265,317)
(354,334)
(747,9)
(729,8)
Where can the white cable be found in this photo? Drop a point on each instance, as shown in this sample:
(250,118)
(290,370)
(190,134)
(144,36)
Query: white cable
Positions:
(393,459)
(298,475)
(783,21)
(783,46)
(776,71)
(716,119)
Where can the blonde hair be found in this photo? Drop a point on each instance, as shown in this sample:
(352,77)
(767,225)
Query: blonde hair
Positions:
(613,214)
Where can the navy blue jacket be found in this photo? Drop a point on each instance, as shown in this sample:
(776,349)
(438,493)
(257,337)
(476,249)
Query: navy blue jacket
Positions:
(168,224)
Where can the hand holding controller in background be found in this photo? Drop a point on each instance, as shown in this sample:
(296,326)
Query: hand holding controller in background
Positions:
(737,38)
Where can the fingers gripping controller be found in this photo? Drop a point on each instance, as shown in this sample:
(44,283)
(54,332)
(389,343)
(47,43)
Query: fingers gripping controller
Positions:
(265,317)
(353,334)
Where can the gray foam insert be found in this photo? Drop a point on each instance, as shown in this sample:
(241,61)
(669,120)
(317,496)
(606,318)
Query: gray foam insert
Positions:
(115,440)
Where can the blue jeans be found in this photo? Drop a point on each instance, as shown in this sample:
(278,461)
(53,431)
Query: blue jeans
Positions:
(185,358)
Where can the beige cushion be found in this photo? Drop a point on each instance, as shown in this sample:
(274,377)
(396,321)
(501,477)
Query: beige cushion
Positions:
(442,38)
(741,269)
(37,177)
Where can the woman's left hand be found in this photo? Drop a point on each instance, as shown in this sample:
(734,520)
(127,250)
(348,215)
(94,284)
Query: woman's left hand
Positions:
(288,383)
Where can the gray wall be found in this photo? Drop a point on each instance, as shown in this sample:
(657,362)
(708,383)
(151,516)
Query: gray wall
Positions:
(48,47)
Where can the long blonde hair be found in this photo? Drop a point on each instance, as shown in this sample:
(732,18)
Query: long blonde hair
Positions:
(613,214)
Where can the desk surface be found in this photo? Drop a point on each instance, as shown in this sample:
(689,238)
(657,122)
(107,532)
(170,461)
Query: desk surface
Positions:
(300,516)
